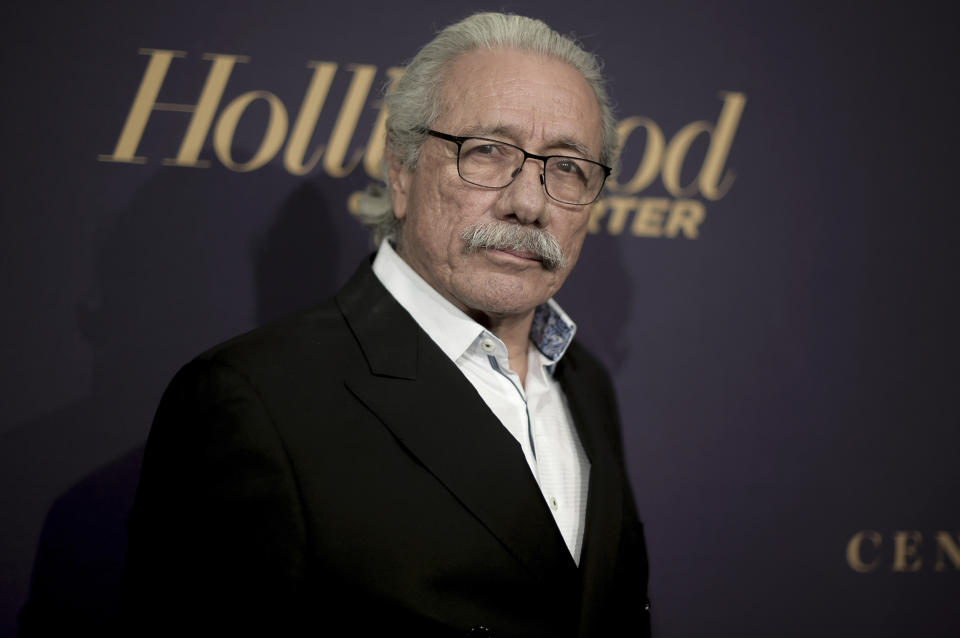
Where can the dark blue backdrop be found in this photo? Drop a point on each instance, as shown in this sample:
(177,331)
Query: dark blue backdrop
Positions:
(788,376)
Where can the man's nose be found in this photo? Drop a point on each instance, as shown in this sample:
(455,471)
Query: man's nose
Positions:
(526,198)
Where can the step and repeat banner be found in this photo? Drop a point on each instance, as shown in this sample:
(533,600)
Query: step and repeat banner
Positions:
(771,277)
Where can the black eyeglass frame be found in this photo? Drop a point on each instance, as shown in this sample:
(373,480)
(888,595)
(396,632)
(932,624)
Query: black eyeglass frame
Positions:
(460,139)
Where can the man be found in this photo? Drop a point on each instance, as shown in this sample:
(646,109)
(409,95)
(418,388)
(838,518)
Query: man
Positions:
(428,454)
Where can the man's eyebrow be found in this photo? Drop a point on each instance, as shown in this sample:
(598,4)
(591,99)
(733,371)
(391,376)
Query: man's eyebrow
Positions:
(510,134)
(571,145)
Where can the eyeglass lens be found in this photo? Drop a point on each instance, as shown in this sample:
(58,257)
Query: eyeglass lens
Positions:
(495,164)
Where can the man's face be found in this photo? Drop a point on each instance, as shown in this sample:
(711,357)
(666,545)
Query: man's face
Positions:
(540,104)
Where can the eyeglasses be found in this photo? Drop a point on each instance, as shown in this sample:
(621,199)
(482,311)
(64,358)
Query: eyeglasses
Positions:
(495,164)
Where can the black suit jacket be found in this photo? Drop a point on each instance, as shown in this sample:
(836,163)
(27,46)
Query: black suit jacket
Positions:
(334,474)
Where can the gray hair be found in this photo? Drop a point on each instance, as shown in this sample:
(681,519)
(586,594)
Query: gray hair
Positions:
(413,102)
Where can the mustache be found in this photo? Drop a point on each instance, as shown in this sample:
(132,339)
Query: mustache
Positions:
(512,237)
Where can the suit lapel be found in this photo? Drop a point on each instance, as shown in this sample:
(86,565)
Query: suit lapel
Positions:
(433,411)
(605,493)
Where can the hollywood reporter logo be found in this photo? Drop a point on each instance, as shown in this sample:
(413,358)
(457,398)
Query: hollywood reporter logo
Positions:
(679,213)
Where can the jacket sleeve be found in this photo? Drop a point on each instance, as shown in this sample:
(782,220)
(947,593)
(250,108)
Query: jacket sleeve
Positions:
(216,534)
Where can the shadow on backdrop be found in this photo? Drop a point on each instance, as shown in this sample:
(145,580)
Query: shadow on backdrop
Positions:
(601,323)
(297,260)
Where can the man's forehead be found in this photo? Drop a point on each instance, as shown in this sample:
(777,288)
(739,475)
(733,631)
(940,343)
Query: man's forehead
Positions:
(513,96)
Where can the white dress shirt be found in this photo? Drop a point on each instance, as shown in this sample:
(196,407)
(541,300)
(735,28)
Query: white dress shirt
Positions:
(535,413)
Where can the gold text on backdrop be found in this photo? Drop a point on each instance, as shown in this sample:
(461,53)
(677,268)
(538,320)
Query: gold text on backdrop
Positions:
(678,214)
(869,551)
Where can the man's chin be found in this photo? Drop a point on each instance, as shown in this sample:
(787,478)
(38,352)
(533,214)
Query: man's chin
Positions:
(512,292)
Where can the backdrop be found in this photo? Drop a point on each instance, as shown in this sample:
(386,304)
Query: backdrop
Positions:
(771,277)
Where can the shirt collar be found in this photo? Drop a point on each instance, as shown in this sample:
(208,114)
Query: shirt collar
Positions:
(552,330)
(451,328)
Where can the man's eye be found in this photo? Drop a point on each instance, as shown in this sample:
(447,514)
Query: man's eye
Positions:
(486,149)
(569,166)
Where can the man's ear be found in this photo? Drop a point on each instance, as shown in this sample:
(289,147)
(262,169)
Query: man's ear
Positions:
(400,179)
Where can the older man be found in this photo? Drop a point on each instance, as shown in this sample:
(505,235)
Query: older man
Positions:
(430,453)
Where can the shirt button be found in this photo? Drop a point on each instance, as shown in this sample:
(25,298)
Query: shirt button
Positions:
(554,505)
(488,345)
